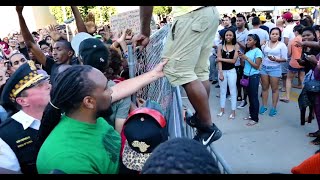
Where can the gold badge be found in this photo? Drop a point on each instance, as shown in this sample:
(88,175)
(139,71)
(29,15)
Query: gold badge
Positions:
(141,145)
(32,65)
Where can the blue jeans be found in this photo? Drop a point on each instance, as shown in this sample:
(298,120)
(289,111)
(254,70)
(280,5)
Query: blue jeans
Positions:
(213,72)
(252,90)
(272,71)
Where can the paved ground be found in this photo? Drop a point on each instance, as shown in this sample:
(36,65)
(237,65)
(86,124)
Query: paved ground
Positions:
(275,144)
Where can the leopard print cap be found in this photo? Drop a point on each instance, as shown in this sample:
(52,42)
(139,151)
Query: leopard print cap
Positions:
(132,159)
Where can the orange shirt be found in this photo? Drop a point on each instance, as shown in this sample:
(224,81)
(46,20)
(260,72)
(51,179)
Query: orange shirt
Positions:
(295,52)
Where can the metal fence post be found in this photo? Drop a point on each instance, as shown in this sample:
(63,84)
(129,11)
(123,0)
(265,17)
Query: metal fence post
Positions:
(131,65)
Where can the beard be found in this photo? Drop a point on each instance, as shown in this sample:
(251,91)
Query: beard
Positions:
(105,114)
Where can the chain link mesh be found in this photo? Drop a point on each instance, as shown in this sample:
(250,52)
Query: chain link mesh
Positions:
(160,90)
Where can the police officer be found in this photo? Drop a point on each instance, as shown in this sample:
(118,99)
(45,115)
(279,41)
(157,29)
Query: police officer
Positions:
(29,92)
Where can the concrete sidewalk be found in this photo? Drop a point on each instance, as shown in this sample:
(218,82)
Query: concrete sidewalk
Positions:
(274,145)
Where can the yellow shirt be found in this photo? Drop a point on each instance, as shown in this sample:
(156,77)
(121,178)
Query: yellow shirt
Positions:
(181,10)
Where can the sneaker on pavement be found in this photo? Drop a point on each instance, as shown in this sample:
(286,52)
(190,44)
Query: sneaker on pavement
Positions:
(242,104)
(273,112)
(263,110)
(207,135)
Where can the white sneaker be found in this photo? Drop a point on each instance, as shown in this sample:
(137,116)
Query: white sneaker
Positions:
(242,104)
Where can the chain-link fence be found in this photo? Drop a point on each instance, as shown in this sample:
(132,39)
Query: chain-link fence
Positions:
(162,92)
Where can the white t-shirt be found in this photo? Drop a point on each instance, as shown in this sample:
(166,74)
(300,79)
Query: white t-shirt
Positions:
(241,37)
(279,51)
(270,25)
(263,34)
(288,32)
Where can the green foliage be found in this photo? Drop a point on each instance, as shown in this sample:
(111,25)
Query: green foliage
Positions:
(162,10)
(102,13)
(58,13)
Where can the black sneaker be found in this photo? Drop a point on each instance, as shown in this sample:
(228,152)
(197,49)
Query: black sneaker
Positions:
(242,104)
(208,135)
(192,120)
(214,82)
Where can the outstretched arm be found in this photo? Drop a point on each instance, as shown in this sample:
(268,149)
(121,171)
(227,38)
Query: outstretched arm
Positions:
(121,90)
(28,39)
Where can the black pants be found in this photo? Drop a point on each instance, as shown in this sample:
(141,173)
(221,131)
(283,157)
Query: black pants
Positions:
(239,70)
(252,90)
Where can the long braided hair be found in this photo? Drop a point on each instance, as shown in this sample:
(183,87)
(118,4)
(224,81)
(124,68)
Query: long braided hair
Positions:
(71,86)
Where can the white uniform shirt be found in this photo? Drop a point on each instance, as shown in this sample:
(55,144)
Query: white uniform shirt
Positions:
(8,159)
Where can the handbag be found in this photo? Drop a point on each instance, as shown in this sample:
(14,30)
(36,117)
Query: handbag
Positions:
(245,81)
(312,86)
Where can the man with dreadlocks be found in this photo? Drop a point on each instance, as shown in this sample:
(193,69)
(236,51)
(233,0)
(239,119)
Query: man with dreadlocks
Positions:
(28,91)
(72,133)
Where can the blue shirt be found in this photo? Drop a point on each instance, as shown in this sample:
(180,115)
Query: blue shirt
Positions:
(252,55)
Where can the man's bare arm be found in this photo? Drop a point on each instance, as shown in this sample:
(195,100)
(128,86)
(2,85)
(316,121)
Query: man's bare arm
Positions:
(28,39)
(79,21)
(145,19)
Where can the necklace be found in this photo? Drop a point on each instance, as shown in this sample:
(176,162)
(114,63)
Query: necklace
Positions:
(227,52)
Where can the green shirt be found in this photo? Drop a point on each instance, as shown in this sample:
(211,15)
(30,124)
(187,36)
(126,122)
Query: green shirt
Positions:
(77,147)
(181,10)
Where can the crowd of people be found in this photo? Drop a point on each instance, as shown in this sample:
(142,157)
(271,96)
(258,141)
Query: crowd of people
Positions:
(64,97)
(265,54)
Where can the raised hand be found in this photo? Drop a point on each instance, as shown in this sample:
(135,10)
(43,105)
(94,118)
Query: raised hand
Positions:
(19,9)
(53,32)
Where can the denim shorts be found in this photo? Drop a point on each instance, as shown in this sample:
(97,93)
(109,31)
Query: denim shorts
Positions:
(295,70)
(272,71)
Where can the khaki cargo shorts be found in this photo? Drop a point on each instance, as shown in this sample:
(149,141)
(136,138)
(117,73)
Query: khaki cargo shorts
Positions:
(188,46)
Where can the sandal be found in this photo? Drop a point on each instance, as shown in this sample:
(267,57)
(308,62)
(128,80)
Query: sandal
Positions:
(251,123)
(316,141)
(314,134)
(220,114)
(297,86)
(283,90)
(232,117)
(285,100)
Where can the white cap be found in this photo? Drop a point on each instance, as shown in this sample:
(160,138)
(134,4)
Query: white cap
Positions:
(77,39)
